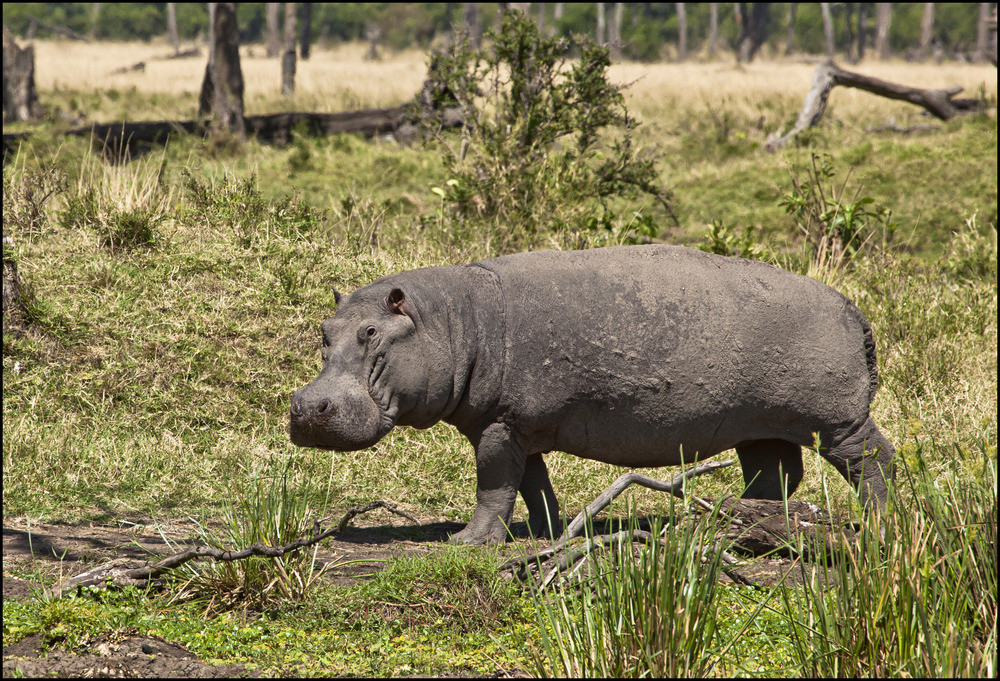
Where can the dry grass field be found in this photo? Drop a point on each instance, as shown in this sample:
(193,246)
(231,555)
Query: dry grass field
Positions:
(339,78)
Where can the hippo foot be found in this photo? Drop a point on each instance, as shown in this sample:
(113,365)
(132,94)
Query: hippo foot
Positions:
(474,536)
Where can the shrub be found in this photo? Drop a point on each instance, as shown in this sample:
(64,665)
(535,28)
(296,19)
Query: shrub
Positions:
(239,205)
(546,144)
(831,222)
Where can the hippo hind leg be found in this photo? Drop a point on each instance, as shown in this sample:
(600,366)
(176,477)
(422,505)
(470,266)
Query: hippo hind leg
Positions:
(864,458)
(536,490)
(764,463)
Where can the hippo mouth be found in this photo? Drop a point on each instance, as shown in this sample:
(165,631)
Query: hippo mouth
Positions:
(348,422)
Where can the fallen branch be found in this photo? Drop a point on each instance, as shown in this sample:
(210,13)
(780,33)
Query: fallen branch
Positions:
(938,102)
(564,553)
(675,487)
(126,572)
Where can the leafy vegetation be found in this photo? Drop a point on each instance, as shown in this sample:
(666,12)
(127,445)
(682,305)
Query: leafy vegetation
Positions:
(176,300)
(533,157)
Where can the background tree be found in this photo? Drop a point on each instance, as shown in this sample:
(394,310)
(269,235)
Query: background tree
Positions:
(172,35)
(983,31)
(713,29)
(883,19)
(753,29)
(222,88)
(305,42)
(601,40)
(926,30)
(95,19)
(828,29)
(473,24)
(273,29)
(288,57)
(615,32)
(790,37)
(20,99)
(682,32)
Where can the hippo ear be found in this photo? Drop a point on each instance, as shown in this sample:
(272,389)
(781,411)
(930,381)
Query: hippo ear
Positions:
(337,295)
(395,300)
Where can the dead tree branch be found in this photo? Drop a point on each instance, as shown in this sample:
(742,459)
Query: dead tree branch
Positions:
(675,487)
(938,102)
(124,572)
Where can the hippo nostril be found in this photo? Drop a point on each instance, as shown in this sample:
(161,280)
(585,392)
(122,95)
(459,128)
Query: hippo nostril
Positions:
(325,407)
(296,408)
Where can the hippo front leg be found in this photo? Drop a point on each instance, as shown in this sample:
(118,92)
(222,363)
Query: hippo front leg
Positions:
(500,464)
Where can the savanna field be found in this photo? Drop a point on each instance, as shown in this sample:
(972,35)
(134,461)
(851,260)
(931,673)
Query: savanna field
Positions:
(174,306)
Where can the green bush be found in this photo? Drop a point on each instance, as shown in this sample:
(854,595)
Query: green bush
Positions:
(547,144)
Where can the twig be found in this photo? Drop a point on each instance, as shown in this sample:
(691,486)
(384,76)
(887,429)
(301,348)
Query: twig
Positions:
(117,573)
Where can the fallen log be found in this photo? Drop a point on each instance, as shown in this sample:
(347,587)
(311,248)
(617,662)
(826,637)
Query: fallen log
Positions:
(120,139)
(940,103)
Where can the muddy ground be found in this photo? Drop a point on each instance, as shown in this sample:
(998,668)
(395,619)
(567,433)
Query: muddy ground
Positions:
(43,552)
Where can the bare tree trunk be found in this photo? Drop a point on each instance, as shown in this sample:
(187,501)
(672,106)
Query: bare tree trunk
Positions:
(926,30)
(753,29)
(848,24)
(95,16)
(541,18)
(862,30)
(600,24)
(558,13)
(883,18)
(288,57)
(306,41)
(827,28)
(615,37)
(20,100)
(983,31)
(172,35)
(713,28)
(222,88)
(682,32)
(273,29)
(473,24)
(790,37)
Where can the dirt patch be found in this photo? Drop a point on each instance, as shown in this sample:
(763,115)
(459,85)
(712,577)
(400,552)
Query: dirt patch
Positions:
(36,554)
(119,654)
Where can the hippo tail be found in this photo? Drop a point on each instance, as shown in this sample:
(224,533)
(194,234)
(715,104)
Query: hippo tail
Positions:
(870,356)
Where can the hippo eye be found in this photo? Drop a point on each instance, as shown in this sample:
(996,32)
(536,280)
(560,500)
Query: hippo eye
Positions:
(326,342)
(370,331)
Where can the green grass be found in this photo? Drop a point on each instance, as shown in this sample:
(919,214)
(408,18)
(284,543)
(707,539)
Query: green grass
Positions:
(176,307)
(445,612)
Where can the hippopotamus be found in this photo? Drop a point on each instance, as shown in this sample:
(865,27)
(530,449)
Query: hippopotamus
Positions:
(638,356)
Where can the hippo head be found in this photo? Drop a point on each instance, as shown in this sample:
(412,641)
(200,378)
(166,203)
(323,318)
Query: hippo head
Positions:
(372,374)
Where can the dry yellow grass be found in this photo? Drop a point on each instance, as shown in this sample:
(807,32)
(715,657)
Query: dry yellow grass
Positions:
(338,78)
(331,80)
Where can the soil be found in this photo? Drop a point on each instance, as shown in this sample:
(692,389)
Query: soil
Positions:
(37,554)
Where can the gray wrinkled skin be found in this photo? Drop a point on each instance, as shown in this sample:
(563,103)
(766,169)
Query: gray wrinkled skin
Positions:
(635,356)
